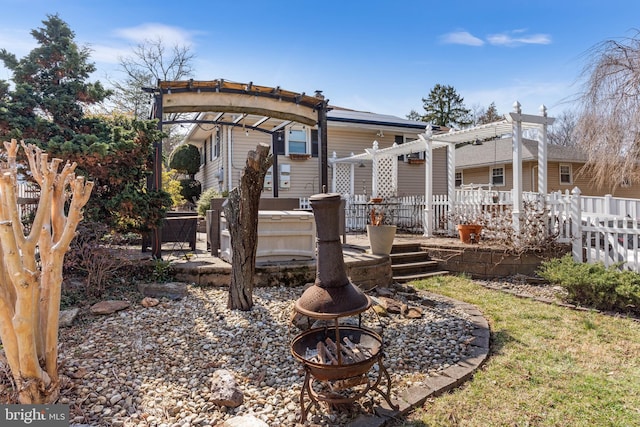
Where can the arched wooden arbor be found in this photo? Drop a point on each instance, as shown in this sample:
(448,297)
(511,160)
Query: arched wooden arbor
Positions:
(231,104)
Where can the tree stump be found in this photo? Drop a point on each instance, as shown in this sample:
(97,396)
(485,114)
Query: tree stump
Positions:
(241,211)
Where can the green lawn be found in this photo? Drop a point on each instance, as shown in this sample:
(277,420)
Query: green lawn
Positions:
(548,366)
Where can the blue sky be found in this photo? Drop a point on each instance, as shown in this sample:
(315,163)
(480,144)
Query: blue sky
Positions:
(380,56)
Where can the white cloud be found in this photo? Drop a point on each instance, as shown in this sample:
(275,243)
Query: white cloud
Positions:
(154,31)
(531,94)
(461,37)
(506,39)
(108,54)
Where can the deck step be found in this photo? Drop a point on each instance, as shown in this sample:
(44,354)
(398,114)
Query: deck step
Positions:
(409,257)
(409,262)
(428,265)
(419,276)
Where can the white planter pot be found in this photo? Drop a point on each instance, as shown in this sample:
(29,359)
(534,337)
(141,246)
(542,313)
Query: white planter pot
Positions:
(381,238)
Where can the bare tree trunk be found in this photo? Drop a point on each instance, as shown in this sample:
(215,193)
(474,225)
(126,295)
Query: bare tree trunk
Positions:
(241,211)
(30,290)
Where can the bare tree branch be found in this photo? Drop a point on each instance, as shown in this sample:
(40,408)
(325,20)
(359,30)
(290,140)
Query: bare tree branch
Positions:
(609,124)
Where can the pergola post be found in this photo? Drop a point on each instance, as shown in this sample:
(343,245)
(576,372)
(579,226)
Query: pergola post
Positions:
(542,153)
(352,178)
(427,225)
(517,166)
(374,169)
(322,145)
(333,173)
(156,179)
(451,182)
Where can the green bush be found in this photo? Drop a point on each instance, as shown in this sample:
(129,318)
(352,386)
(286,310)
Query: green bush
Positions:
(185,159)
(594,285)
(204,202)
(190,189)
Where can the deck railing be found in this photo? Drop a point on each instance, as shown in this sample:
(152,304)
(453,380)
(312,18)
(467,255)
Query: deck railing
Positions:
(600,229)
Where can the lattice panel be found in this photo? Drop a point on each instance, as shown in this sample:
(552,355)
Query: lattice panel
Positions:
(387,176)
(342,183)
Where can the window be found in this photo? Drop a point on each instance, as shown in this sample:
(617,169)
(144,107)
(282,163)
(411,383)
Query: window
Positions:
(297,141)
(458,179)
(211,156)
(497,176)
(216,143)
(565,174)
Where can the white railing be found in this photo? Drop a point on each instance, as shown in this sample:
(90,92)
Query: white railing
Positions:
(28,195)
(600,229)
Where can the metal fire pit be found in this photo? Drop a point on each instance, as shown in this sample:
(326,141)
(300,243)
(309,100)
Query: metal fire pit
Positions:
(333,297)
(341,371)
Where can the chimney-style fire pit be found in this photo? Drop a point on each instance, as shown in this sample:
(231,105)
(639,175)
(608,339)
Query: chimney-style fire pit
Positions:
(338,355)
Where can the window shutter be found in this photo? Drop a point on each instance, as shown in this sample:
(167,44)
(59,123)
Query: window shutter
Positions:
(279,139)
(314,142)
(399,139)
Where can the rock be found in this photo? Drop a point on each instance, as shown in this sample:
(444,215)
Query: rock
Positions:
(380,310)
(391,305)
(66,317)
(413,313)
(224,389)
(385,292)
(170,290)
(115,399)
(149,302)
(109,306)
(244,421)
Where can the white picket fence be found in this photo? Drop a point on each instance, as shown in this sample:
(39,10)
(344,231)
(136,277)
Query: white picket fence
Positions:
(600,229)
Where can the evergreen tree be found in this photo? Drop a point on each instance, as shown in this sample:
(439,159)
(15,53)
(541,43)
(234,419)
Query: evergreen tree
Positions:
(445,107)
(51,86)
(46,106)
(489,115)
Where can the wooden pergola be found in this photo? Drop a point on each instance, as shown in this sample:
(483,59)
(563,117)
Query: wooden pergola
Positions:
(276,107)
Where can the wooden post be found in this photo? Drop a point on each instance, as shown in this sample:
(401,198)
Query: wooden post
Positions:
(241,211)
(576,226)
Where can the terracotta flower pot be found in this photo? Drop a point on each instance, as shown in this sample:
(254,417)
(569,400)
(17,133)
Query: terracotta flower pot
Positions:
(469,233)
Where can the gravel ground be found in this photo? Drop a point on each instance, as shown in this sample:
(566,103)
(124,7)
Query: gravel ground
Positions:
(152,366)
(528,287)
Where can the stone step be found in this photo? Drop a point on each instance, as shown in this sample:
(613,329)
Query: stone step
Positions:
(409,262)
(405,247)
(418,276)
(414,267)
(409,257)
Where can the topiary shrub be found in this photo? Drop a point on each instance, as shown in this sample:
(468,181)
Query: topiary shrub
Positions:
(595,285)
(185,159)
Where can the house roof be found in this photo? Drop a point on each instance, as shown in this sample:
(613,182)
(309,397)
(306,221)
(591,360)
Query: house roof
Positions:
(500,151)
(338,116)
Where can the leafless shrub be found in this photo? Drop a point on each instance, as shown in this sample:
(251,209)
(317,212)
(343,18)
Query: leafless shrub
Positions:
(534,234)
(93,257)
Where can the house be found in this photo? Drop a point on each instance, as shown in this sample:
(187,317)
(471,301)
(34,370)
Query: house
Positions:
(226,138)
(489,163)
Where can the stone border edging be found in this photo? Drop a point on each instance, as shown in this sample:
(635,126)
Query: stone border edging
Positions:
(449,379)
